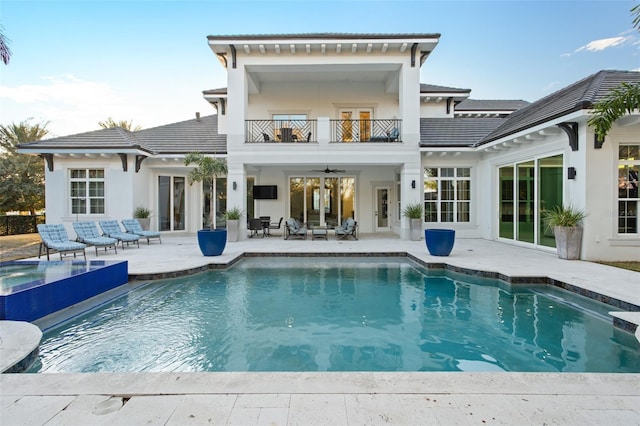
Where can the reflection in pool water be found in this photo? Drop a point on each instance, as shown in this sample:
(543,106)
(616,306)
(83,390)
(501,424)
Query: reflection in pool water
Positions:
(345,314)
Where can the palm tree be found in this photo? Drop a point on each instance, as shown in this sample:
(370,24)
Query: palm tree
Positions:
(208,169)
(622,100)
(5,52)
(23,132)
(110,123)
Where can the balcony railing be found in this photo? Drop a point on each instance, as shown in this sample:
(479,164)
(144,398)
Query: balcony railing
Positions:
(387,130)
(274,131)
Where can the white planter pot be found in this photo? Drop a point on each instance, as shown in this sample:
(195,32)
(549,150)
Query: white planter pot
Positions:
(415,227)
(145,222)
(568,241)
(233,227)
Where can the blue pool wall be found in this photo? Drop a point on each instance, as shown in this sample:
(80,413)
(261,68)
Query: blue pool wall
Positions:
(39,301)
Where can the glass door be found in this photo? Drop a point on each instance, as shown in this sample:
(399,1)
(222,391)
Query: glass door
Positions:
(526,202)
(381,209)
(319,201)
(526,189)
(171,203)
(356,124)
(550,195)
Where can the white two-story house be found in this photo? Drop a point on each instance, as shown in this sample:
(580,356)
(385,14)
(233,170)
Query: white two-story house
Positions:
(322,127)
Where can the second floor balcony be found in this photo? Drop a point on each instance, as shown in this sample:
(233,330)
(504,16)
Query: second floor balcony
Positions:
(337,131)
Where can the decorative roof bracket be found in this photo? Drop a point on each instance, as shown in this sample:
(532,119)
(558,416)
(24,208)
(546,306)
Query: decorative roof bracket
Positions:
(224,58)
(233,56)
(49,159)
(571,129)
(139,160)
(449,104)
(414,47)
(222,106)
(597,142)
(123,158)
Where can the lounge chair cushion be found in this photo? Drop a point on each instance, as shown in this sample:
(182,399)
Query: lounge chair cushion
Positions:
(133,227)
(112,229)
(54,236)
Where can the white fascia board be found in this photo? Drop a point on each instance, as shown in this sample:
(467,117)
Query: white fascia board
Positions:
(577,116)
(82,151)
(447,149)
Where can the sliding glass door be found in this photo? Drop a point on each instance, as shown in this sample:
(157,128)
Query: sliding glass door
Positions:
(171,203)
(319,201)
(526,189)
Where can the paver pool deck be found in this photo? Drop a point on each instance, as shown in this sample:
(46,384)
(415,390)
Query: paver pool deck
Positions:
(339,398)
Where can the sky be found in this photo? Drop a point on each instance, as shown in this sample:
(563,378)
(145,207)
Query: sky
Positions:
(75,63)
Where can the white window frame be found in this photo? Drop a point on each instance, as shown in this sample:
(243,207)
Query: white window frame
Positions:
(88,197)
(625,164)
(439,200)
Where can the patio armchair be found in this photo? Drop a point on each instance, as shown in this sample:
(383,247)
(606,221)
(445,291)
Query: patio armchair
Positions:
(255,226)
(88,233)
(275,225)
(54,237)
(293,229)
(111,229)
(132,226)
(347,229)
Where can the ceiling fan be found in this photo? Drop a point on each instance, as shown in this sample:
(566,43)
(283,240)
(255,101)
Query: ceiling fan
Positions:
(328,170)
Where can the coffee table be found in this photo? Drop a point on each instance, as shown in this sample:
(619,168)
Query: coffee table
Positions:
(319,233)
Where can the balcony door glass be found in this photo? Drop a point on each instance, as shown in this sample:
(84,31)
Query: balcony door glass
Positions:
(356,124)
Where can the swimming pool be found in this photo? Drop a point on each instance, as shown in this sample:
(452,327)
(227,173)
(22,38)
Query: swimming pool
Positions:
(340,314)
(30,290)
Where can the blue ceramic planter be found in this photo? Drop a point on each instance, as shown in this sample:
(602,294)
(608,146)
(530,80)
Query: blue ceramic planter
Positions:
(212,242)
(439,241)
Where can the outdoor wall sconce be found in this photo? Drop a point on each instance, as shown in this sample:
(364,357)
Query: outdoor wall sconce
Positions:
(571,173)
(413,184)
(235,185)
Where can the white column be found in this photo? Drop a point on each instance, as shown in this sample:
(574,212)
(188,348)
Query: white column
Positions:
(237,193)
(410,172)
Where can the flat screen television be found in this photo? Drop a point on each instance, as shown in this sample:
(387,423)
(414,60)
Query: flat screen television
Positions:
(265,192)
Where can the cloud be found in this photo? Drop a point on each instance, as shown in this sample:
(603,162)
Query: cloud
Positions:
(602,44)
(68,103)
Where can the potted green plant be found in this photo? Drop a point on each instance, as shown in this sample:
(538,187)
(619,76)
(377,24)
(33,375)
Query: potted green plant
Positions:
(566,223)
(212,241)
(233,217)
(143,215)
(415,213)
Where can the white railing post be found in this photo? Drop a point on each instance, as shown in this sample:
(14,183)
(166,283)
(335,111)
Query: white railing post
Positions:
(324,130)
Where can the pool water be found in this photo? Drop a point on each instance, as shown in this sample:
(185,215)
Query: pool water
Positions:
(344,314)
(18,275)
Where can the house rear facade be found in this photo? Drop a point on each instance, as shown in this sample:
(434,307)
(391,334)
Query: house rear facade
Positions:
(323,127)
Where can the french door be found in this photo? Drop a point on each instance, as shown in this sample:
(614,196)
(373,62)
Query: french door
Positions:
(356,124)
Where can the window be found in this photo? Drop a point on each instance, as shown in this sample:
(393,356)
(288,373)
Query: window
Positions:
(447,194)
(628,167)
(86,191)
